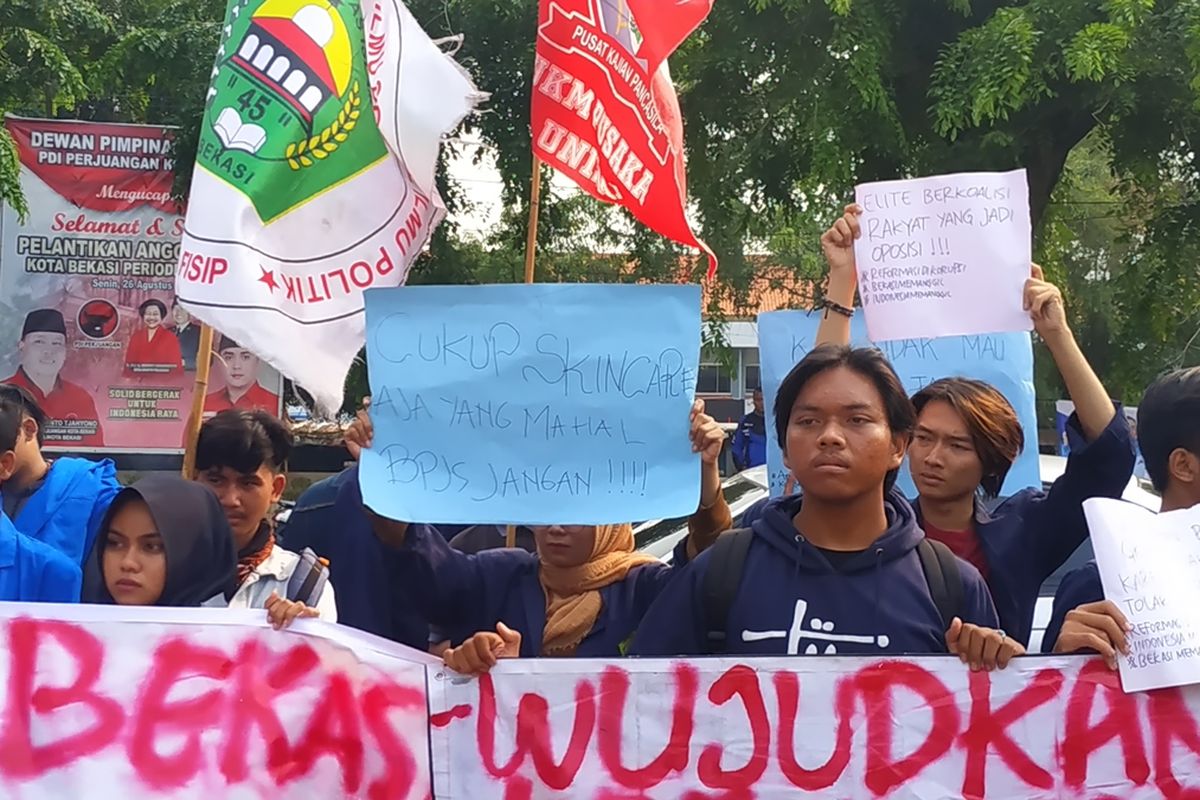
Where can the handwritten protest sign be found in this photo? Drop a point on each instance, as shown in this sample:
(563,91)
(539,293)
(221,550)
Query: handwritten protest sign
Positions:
(944,256)
(1003,360)
(1148,564)
(115,702)
(532,404)
(704,729)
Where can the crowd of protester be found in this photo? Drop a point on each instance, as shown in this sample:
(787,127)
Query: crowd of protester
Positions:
(842,563)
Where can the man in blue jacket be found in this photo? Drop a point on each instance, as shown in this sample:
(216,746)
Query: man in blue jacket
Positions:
(749,445)
(839,569)
(1169,437)
(32,572)
(29,570)
(59,502)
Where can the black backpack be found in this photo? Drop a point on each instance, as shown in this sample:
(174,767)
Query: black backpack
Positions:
(724,576)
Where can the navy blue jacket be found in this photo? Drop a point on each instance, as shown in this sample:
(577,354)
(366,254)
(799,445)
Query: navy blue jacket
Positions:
(749,446)
(1031,534)
(755,512)
(329,518)
(1078,587)
(33,572)
(311,513)
(792,601)
(463,594)
(66,511)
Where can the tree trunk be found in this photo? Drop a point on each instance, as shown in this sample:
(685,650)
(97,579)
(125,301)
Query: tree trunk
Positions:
(1045,158)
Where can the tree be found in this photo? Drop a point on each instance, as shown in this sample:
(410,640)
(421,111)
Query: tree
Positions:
(142,61)
(1126,261)
(788,103)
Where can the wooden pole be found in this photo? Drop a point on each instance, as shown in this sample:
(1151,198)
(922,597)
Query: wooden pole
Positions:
(192,434)
(535,191)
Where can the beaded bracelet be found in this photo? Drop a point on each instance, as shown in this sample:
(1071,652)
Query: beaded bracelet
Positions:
(837,308)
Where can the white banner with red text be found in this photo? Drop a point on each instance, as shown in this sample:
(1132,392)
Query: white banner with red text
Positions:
(703,729)
(199,703)
(105,701)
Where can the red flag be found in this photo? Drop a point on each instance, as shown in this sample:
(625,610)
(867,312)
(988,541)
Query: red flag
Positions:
(604,109)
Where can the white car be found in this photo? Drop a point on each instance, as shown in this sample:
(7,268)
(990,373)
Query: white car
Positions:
(659,537)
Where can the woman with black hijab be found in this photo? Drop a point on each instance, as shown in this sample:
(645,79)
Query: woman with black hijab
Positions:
(163,542)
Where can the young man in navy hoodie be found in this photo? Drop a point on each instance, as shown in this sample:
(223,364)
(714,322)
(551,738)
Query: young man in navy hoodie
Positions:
(967,436)
(59,502)
(1169,436)
(836,569)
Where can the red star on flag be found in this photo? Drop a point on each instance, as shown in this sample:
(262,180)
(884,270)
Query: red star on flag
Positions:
(268,277)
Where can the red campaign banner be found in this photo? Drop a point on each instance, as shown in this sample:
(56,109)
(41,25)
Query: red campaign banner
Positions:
(88,319)
(604,111)
(109,167)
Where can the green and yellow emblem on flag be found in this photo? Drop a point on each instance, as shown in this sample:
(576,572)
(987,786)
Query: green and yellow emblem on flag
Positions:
(289,114)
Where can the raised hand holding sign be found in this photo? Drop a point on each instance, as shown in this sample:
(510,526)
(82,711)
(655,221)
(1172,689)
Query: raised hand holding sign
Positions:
(944,256)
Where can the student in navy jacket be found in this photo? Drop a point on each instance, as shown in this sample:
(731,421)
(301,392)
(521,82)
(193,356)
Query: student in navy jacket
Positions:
(835,569)
(967,436)
(1169,437)
(329,518)
(582,594)
(61,502)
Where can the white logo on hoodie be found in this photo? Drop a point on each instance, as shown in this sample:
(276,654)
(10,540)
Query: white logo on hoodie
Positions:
(819,631)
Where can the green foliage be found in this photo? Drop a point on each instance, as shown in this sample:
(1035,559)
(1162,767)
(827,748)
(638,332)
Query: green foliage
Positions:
(118,61)
(985,74)
(787,104)
(10,166)
(1097,52)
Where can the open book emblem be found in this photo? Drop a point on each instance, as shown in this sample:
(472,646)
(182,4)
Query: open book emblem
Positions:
(238,135)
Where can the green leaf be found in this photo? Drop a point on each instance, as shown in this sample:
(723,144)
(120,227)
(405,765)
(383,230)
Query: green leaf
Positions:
(1096,52)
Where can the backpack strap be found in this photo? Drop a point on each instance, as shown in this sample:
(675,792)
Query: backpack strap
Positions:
(940,566)
(308,580)
(721,582)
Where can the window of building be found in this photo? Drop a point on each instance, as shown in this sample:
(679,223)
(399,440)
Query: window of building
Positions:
(714,376)
(751,372)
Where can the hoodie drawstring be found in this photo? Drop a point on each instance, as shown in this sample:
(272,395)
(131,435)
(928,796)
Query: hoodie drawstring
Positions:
(799,555)
(878,578)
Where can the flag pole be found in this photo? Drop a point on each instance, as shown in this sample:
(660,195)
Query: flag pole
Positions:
(535,191)
(192,434)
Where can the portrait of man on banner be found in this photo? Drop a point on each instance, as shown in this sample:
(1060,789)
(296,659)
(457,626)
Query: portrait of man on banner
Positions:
(240,369)
(69,408)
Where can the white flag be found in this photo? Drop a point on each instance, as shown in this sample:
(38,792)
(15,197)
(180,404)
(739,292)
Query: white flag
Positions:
(314,176)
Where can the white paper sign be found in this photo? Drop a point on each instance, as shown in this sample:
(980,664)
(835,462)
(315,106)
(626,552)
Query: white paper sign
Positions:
(944,256)
(1149,566)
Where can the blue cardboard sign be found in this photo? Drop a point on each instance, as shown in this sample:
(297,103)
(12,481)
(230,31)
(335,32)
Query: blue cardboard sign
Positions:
(1005,360)
(532,405)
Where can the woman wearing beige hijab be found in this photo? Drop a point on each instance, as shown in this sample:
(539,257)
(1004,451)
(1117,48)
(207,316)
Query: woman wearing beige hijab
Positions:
(583,593)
